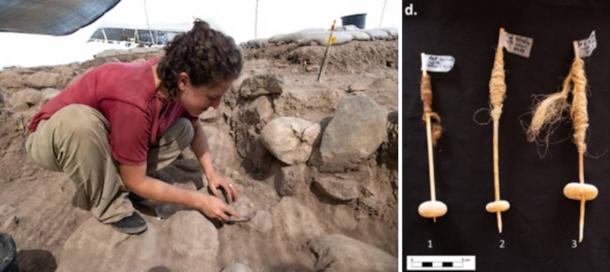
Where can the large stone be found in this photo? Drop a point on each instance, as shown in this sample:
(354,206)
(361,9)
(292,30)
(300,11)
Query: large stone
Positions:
(354,133)
(210,115)
(66,73)
(11,79)
(389,149)
(192,235)
(290,139)
(256,158)
(289,179)
(344,217)
(337,252)
(369,205)
(25,99)
(384,92)
(222,148)
(48,94)
(312,101)
(65,70)
(338,188)
(262,221)
(8,252)
(187,241)
(43,79)
(297,222)
(261,85)
(243,205)
(258,112)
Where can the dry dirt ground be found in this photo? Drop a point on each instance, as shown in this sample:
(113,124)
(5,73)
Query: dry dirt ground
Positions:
(333,210)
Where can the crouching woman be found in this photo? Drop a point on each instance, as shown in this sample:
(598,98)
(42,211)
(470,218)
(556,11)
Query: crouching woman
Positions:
(121,121)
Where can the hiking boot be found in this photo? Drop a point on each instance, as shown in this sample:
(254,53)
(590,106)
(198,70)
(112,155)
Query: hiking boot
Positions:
(8,252)
(133,224)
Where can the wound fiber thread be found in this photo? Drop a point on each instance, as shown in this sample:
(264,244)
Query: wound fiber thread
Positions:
(497,85)
(426,98)
(578,111)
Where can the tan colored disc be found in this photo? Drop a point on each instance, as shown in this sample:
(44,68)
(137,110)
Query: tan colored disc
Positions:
(576,191)
(497,206)
(432,209)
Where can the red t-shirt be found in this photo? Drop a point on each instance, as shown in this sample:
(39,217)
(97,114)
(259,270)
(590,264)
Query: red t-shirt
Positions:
(125,94)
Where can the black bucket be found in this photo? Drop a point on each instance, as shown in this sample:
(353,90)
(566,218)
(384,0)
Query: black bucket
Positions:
(358,20)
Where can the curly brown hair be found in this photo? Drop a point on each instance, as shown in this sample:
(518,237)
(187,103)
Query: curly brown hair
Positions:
(208,56)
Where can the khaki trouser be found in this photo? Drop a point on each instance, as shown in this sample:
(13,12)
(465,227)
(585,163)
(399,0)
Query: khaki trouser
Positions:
(75,141)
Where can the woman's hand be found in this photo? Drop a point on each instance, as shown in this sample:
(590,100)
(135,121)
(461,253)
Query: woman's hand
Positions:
(218,181)
(215,208)
(201,149)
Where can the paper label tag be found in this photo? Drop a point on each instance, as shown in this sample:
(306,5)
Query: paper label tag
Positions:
(586,46)
(518,45)
(437,63)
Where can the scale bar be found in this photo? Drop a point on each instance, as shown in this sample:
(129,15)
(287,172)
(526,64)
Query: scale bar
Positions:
(441,262)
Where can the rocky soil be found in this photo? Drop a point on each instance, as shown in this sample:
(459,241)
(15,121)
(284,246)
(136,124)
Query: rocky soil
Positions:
(316,163)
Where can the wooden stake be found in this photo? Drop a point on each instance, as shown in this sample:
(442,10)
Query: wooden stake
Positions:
(329,43)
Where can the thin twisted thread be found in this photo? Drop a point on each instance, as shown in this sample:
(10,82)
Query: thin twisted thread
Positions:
(548,112)
(426,98)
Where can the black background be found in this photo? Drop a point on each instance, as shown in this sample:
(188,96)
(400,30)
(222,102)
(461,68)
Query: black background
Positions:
(541,224)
